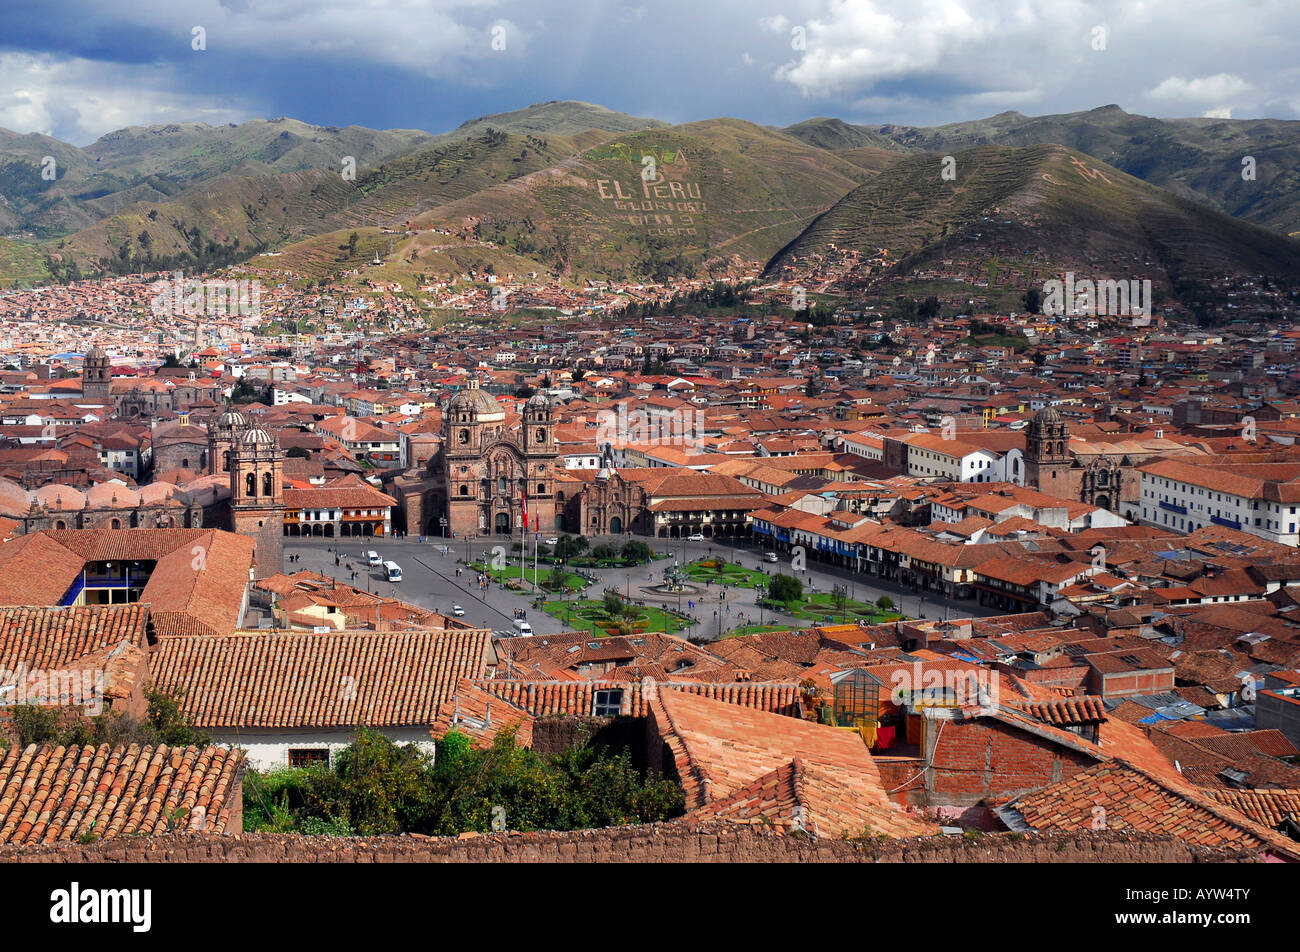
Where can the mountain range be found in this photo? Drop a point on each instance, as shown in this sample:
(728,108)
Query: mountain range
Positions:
(575,191)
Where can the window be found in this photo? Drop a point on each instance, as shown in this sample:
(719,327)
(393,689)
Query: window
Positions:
(308,756)
(608,704)
(464,490)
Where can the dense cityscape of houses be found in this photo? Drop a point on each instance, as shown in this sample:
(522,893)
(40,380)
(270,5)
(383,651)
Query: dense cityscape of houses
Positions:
(1114,506)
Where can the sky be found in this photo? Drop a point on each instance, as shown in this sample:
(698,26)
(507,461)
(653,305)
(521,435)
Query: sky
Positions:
(77,69)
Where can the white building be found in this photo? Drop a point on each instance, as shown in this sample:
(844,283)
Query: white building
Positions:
(1186,497)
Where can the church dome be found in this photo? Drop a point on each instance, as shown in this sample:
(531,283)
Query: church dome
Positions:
(96,353)
(59,498)
(1049,415)
(257,437)
(14,500)
(232,419)
(539,401)
(112,495)
(476,402)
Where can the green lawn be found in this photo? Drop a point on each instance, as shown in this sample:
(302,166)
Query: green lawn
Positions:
(754,629)
(587,615)
(731,574)
(574,583)
(818,606)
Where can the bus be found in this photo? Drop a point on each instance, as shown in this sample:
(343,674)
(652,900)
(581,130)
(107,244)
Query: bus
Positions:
(394,571)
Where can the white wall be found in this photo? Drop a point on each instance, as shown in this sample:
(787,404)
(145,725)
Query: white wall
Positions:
(269,749)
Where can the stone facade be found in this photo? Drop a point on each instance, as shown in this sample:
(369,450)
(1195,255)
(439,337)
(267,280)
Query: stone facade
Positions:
(1108,481)
(485,470)
(257,496)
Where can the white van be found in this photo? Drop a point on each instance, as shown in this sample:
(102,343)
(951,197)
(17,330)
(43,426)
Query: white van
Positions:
(771,557)
(373,559)
(522,628)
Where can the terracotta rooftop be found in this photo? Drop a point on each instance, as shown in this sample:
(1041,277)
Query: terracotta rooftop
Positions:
(1120,796)
(52,793)
(380,679)
(721,750)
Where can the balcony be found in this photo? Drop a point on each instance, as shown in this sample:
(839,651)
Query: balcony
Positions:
(1174,507)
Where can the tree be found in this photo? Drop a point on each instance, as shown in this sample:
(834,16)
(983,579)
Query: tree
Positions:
(298,452)
(164,722)
(1033,300)
(377,786)
(785,588)
(636,552)
(885,603)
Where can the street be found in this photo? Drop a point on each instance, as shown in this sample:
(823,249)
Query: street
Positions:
(429,580)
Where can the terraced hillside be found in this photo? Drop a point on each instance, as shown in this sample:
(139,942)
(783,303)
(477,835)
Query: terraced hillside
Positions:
(1039,211)
(241,214)
(718,192)
(1196,158)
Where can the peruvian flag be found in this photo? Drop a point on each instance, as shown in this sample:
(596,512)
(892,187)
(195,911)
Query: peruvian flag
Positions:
(523,491)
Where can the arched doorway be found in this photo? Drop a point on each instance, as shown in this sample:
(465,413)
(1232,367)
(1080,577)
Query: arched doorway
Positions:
(502,525)
(615,526)
(1103,502)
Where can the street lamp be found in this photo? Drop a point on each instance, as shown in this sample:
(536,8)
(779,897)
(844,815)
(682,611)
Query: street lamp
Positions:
(442,521)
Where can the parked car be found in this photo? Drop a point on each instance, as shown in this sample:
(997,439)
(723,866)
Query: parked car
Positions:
(552,541)
(770,557)
(697,537)
(457,611)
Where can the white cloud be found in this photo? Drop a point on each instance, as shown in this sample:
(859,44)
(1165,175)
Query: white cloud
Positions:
(1221,112)
(776,24)
(1203,89)
(79,100)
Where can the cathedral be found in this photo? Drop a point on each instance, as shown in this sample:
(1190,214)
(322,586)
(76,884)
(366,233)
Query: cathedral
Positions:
(487,471)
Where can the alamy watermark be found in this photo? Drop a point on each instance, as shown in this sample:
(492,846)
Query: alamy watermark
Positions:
(1087,298)
(943,687)
(190,297)
(683,426)
(64,687)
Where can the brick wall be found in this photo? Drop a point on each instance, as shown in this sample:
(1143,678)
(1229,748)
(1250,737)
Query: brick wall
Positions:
(671,842)
(977,759)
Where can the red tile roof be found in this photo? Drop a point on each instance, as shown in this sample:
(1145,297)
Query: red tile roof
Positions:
(721,750)
(52,793)
(289,679)
(1119,796)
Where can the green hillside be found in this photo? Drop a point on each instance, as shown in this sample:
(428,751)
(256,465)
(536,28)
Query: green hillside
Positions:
(1035,212)
(723,192)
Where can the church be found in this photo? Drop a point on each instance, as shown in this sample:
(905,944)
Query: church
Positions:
(490,465)
(489,472)
(1099,472)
